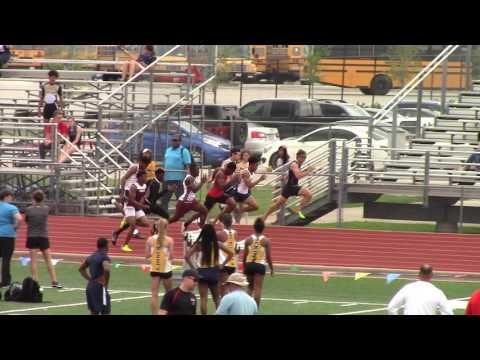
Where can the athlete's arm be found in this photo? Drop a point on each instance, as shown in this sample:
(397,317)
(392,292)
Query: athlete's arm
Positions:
(221,236)
(189,254)
(170,248)
(248,179)
(227,251)
(247,243)
(299,173)
(131,171)
(268,254)
(83,271)
(60,97)
(197,187)
(148,248)
(444,307)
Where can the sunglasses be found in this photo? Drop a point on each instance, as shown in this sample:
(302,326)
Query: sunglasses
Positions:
(175,140)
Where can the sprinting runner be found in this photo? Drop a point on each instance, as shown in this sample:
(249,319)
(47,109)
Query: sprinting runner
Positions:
(257,252)
(222,179)
(292,188)
(187,201)
(133,209)
(126,182)
(209,269)
(159,250)
(154,194)
(243,195)
(99,265)
(228,237)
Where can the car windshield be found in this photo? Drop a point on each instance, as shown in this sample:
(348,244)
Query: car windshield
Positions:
(188,127)
(355,110)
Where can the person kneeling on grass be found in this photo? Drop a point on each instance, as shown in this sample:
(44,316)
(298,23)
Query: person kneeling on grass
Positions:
(99,266)
(36,217)
(159,250)
(236,301)
(256,254)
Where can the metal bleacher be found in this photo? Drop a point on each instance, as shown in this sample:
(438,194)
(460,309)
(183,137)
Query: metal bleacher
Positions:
(113,115)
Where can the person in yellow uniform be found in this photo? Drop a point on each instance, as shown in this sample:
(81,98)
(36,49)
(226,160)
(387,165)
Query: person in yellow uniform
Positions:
(151,167)
(228,237)
(209,264)
(256,254)
(159,250)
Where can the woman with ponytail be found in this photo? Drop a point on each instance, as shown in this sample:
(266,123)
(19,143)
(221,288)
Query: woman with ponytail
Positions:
(159,250)
(209,264)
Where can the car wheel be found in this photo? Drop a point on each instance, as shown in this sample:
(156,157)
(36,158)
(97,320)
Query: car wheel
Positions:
(366,91)
(381,85)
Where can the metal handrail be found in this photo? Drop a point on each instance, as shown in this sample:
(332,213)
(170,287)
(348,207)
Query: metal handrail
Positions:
(440,58)
(139,73)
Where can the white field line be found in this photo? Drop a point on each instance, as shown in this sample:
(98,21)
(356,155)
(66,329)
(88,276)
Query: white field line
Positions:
(351,304)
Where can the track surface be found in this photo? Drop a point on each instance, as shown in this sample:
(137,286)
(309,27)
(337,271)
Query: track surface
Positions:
(295,245)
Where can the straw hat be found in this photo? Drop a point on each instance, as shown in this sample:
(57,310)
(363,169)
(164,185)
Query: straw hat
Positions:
(237,279)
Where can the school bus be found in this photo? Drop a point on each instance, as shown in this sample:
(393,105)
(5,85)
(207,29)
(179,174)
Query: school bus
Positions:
(366,67)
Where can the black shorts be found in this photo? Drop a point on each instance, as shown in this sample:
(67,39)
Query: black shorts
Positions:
(210,201)
(36,242)
(228,269)
(49,110)
(254,268)
(161,275)
(209,275)
(241,197)
(290,190)
(98,298)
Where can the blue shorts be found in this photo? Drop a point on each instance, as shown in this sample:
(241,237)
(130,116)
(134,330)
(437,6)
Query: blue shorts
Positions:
(98,298)
(209,275)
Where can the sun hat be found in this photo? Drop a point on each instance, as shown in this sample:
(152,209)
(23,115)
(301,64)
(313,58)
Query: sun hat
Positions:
(237,279)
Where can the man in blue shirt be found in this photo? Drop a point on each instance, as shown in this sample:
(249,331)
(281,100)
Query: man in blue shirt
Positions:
(177,161)
(237,301)
(9,221)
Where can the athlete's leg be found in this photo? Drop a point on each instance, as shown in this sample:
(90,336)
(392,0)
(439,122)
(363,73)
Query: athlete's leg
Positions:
(251,204)
(215,294)
(48,261)
(131,221)
(250,284)
(143,222)
(203,290)
(202,211)
(167,284)
(306,197)
(34,264)
(180,210)
(257,288)
(231,203)
(223,278)
(274,207)
(154,306)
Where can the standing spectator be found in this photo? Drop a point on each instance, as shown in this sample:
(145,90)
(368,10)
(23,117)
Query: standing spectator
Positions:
(181,300)
(209,270)
(132,66)
(36,217)
(147,154)
(234,157)
(4,55)
(282,157)
(420,297)
(177,161)
(10,219)
(99,265)
(237,301)
(473,306)
(51,98)
(243,163)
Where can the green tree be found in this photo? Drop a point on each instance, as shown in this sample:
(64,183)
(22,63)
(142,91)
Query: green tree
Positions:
(476,63)
(229,51)
(223,76)
(311,69)
(402,61)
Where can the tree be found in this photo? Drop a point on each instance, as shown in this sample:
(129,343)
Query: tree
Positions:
(229,51)
(223,76)
(402,62)
(310,68)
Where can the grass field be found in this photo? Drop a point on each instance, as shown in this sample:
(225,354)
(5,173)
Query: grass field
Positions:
(389,226)
(284,294)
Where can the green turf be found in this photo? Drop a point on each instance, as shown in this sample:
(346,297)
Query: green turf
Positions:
(387,226)
(283,294)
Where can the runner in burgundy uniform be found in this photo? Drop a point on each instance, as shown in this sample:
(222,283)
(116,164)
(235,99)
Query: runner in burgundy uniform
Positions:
(188,202)
(222,179)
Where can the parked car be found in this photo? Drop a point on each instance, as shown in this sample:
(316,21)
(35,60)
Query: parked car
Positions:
(407,118)
(316,138)
(244,134)
(289,115)
(431,105)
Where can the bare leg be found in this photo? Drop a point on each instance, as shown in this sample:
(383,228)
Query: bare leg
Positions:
(125,70)
(306,197)
(48,261)
(215,295)
(227,209)
(34,264)
(223,278)
(167,285)
(257,288)
(202,211)
(250,284)
(132,222)
(274,207)
(251,203)
(154,306)
(203,290)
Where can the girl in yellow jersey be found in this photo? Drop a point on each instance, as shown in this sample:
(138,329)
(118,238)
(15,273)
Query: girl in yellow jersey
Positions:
(228,237)
(209,269)
(159,250)
(256,254)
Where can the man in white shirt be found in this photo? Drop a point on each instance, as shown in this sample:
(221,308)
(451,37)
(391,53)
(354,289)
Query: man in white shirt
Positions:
(420,297)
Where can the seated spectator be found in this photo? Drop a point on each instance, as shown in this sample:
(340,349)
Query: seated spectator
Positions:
(281,157)
(473,158)
(4,55)
(74,135)
(62,127)
(132,66)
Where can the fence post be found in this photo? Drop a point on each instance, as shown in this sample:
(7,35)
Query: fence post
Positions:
(332,159)
(57,188)
(460,230)
(394,133)
(341,185)
(241,82)
(469,68)
(418,124)
(426,180)
(444,84)
(54,143)
(82,203)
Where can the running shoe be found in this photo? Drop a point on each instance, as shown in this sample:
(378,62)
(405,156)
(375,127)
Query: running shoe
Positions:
(126,248)
(301,216)
(114,238)
(136,235)
(56,284)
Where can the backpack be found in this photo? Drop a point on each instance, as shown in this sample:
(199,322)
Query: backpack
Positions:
(31,291)
(13,292)
(192,160)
